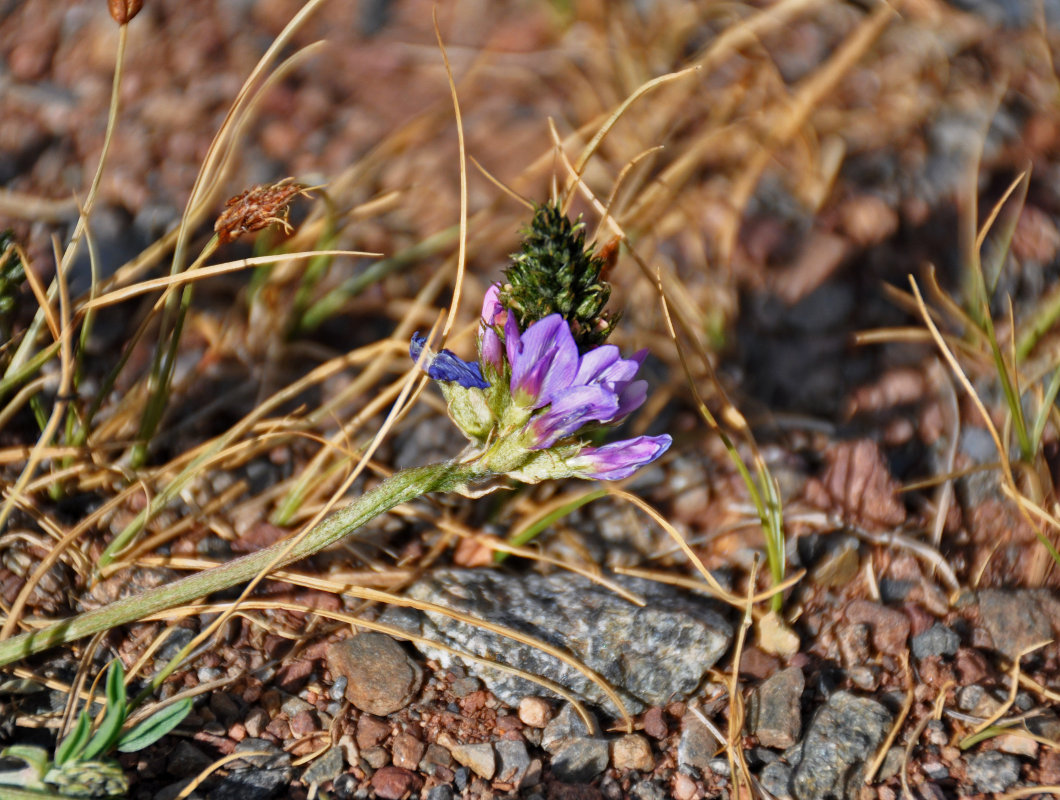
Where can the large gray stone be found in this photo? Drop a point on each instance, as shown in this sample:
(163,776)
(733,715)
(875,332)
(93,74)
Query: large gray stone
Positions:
(842,739)
(650,655)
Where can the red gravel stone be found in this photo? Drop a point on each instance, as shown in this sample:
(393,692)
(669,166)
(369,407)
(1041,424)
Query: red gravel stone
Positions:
(406,751)
(371,731)
(304,723)
(971,666)
(393,783)
(655,723)
(890,628)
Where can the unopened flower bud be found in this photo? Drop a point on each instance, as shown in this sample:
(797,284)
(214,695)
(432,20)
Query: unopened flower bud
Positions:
(124,10)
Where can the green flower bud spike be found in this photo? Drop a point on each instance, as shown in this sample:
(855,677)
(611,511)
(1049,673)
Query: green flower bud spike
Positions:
(554,273)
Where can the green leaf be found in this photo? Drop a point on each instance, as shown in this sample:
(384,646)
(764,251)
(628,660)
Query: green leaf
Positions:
(70,747)
(155,727)
(109,730)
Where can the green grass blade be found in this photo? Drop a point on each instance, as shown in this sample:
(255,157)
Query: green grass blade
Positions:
(155,727)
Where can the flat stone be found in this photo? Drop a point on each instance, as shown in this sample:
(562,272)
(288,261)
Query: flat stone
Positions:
(187,760)
(632,751)
(580,760)
(479,758)
(1015,619)
(993,772)
(566,725)
(406,751)
(255,777)
(938,640)
(776,779)
(649,790)
(326,768)
(371,731)
(393,783)
(678,637)
(382,678)
(443,792)
(776,713)
(890,627)
(842,738)
(697,745)
(513,761)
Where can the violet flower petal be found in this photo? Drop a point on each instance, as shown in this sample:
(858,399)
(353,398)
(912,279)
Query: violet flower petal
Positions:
(575,409)
(448,366)
(618,460)
(489,343)
(544,360)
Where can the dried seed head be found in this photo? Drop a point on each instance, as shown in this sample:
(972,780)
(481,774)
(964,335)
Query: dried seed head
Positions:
(124,10)
(256,209)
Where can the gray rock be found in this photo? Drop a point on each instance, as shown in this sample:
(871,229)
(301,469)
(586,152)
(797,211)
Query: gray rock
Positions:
(382,678)
(187,760)
(776,779)
(513,761)
(843,737)
(938,640)
(566,725)
(697,745)
(776,715)
(1014,618)
(580,760)
(326,768)
(257,777)
(171,791)
(993,771)
(649,790)
(443,792)
(678,637)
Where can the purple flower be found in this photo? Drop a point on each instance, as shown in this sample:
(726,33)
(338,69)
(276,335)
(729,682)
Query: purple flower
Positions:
(618,460)
(598,387)
(490,349)
(447,366)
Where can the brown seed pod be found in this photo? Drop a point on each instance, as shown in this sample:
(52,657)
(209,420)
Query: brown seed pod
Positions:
(124,10)
(256,209)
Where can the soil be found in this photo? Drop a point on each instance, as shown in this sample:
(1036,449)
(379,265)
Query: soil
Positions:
(819,156)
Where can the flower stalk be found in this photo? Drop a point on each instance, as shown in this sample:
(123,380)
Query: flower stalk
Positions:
(401,487)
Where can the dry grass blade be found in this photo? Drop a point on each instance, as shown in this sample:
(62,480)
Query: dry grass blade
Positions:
(170,282)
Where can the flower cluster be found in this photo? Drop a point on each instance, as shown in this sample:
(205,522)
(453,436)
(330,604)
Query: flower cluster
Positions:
(532,398)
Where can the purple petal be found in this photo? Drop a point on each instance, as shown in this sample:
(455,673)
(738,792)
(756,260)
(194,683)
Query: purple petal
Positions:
(631,398)
(544,360)
(618,460)
(595,362)
(577,407)
(604,364)
(447,366)
(491,306)
(489,343)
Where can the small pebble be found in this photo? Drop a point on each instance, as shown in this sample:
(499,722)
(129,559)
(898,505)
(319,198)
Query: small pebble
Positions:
(632,752)
(992,771)
(684,787)
(535,712)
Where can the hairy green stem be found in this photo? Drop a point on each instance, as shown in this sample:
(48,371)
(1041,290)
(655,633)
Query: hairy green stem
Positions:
(399,488)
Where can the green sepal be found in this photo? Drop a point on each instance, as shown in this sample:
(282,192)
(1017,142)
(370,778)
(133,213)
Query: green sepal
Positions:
(155,727)
(469,409)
